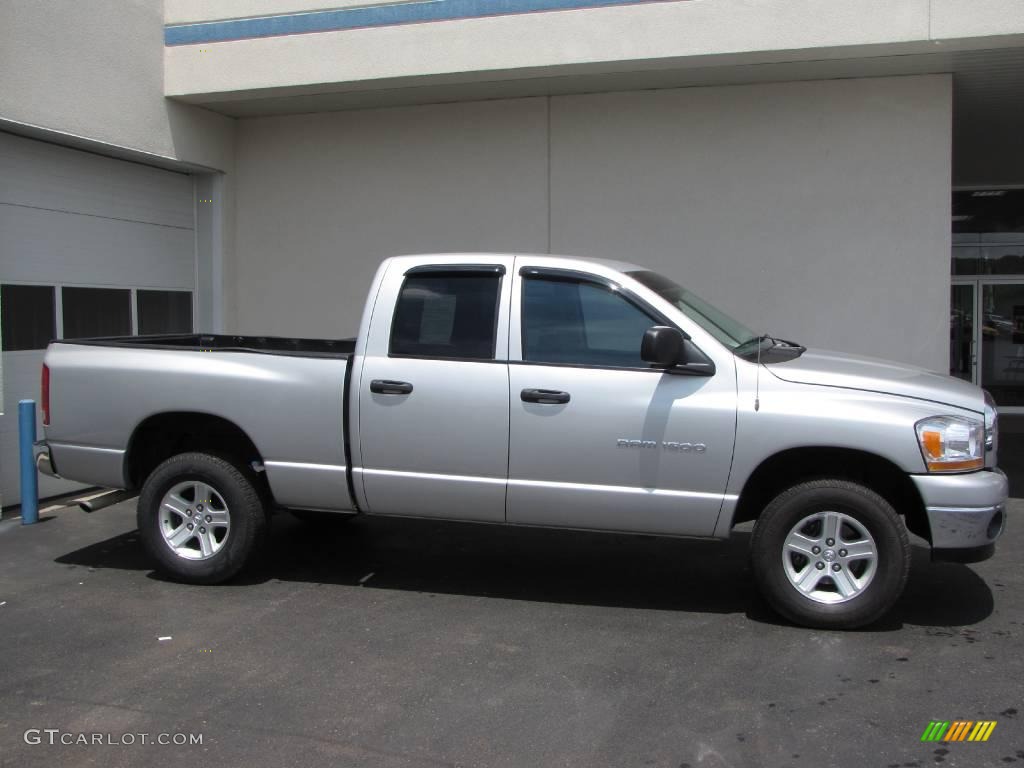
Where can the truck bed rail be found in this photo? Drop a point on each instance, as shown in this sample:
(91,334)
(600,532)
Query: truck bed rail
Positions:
(194,342)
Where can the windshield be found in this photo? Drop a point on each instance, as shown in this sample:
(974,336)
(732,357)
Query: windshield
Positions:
(729,332)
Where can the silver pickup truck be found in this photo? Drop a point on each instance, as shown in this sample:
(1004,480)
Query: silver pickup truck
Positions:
(544,391)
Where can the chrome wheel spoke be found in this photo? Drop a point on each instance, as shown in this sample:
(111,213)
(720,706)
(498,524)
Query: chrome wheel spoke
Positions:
(845,583)
(831,522)
(808,578)
(857,550)
(203,494)
(180,536)
(205,543)
(798,542)
(175,504)
(218,518)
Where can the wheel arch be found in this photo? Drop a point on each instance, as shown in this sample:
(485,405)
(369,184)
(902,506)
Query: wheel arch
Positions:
(796,465)
(166,434)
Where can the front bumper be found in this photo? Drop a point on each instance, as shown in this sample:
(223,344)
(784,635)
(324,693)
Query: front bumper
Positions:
(966,513)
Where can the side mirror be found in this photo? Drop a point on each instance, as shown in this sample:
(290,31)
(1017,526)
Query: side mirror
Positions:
(661,346)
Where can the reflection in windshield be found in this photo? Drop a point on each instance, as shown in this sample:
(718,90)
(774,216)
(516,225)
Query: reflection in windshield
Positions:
(725,329)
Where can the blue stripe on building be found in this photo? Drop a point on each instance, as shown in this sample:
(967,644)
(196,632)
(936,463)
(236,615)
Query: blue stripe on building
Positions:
(371,16)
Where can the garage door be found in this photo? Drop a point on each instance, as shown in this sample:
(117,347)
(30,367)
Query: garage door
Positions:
(89,246)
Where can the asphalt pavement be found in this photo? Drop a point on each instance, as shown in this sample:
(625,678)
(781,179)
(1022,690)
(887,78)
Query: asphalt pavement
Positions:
(418,643)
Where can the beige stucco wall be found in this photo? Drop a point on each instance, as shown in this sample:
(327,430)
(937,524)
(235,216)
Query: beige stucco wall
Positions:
(192,11)
(660,34)
(95,70)
(684,37)
(817,211)
(322,199)
(90,75)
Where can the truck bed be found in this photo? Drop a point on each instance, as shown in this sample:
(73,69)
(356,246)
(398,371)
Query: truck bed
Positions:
(286,396)
(199,342)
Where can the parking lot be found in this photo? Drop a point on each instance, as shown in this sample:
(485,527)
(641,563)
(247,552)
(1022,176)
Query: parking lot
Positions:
(407,643)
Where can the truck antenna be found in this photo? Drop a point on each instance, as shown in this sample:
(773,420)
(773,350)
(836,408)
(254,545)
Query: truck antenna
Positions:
(757,380)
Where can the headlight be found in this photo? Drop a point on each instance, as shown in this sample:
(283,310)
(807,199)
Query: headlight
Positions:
(952,443)
(991,421)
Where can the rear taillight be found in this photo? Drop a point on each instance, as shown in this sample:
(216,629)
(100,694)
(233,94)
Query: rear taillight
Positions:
(45,392)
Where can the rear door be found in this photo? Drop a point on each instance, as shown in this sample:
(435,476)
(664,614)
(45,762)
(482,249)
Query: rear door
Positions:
(433,391)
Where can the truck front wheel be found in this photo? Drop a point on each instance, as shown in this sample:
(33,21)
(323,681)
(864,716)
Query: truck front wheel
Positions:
(201,518)
(830,554)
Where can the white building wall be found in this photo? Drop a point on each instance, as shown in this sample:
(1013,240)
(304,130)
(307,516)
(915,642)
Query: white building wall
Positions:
(90,75)
(192,11)
(608,39)
(95,70)
(323,198)
(818,211)
(225,53)
(815,211)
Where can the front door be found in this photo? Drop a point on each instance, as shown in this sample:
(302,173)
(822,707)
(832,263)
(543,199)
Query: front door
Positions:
(433,393)
(597,438)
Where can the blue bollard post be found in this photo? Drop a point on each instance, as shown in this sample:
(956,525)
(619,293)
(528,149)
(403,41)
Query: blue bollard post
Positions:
(29,480)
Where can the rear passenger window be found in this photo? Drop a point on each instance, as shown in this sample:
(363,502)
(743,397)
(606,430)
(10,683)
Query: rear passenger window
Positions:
(447,314)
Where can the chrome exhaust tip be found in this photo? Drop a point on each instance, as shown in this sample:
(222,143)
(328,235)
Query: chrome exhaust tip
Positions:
(105,500)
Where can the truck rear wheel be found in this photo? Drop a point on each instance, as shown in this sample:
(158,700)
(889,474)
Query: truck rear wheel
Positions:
(830,554)
(201,518)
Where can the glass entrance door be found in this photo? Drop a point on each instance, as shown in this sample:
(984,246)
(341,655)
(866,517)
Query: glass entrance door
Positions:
(986,320)
(1001,361)
(961,331)
(986,337)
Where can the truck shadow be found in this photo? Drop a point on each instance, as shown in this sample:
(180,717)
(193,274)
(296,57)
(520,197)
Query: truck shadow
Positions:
(435,557)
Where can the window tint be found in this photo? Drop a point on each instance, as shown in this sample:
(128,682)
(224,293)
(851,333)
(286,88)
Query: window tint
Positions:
(729,332)
(447,315)
(581,323)
(164,311)
(96,312)
(27,316)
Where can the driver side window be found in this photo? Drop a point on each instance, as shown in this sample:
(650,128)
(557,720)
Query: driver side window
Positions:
(581,323)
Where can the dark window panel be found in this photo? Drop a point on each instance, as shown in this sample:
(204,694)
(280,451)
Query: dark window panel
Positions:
(581,323)
(96,312)
(164,311)
(446,316)
(988,211)
(988,259)
(27,316)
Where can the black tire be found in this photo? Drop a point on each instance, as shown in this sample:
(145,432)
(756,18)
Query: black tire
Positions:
(866,509)
(327,520)
(246,511)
